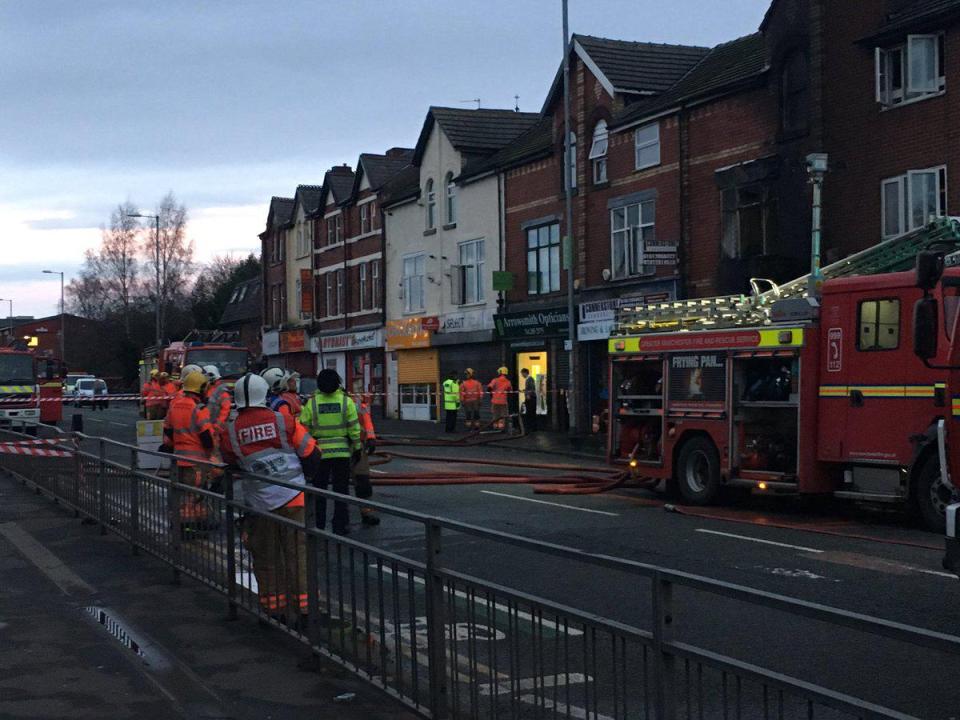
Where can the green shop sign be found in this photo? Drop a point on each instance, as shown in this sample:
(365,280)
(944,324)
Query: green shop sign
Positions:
(534,323)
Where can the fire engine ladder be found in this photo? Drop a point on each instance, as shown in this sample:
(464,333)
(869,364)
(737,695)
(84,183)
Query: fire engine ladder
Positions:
(893,255)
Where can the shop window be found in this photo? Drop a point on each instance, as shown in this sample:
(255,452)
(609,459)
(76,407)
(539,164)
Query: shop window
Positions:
(879,325)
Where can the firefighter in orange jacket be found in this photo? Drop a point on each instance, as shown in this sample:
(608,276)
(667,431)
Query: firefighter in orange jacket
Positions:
(360,468)
(168,391)
(149,393)
(499,387)
(291,394)
(269,443)
(188,433)
(218,396)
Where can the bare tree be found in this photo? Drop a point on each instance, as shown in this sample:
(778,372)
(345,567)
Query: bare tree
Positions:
(118,260)
(172,253)
(85,295)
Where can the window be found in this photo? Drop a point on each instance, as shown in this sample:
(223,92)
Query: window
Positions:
(414,268)
(431,205)
(298,296)
(451,200)
(304,239)
(572,161)
(331,298)
(373,214)
(340,307)
(632,228)
(794,93)
(598,152)
(909,201)
(338,225)
(879,325)
(331,231)
(646,146)
(543,259)
(911,71)
(364,220)
(375,284)
(468,285)
(363,286)
(749,221)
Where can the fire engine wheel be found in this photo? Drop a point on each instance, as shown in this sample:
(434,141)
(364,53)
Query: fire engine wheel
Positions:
(698,471)
(931,496)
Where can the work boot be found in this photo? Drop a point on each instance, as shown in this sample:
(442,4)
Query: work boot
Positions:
(368,516)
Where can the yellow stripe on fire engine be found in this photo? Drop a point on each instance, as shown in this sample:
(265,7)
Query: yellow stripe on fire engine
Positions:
(878,391)
(778,338)
(766,339)
(16,388)
(956,406)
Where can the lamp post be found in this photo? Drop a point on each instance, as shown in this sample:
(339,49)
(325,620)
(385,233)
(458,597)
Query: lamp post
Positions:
(156,263)
(8,300)
(63,319)
(570,165)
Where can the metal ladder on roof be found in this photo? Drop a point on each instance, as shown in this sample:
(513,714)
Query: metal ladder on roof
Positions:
(726,311)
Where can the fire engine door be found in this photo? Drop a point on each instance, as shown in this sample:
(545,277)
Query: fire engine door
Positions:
(837,342)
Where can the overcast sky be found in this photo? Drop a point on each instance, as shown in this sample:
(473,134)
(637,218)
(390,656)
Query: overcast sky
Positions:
(228,103)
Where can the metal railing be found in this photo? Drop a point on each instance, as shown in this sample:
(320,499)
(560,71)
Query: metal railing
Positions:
(429,629)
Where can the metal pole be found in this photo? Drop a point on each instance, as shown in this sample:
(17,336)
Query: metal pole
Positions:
(63,325)
(570,245)
(156,257)
(817,167)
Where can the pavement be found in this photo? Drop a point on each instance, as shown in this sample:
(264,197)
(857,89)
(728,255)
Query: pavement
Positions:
(865,560)
(89,631)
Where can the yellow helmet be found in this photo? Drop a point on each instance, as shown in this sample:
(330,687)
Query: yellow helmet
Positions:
(469,372)
(503,371)
(195,382)
(154,372)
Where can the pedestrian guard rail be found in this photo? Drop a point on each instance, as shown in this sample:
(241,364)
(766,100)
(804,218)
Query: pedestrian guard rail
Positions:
(437,629)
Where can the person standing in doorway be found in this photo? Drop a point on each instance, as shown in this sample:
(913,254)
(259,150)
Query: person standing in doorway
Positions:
(471,393)
(451,401)
(500,388)
(529,400)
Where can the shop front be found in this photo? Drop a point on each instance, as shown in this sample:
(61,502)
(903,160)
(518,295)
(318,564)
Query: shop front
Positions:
(534,340)
(467,340)
(413,369)
(358,357)
(294,352)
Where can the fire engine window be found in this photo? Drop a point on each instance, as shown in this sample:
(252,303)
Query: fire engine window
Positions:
(879,323)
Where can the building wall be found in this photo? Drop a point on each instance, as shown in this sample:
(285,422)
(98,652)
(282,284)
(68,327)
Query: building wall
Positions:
(274,275)
(295,263)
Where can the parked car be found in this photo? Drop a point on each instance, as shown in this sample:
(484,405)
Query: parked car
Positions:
(70,382)
(89,391)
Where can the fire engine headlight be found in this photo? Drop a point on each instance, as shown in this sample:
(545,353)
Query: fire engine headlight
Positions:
(633,463)
(761,486)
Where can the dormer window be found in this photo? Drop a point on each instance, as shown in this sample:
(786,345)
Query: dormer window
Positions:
(911,71)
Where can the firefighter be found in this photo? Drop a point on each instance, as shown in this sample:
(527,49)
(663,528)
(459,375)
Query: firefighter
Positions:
(451,401)
(499,388)
(269,443)
(292,393)
(276,381)
(360,469)
(471,393)
(184,371)
(331,417)
(187,433)
(151,396)
(167,391)
(218,396)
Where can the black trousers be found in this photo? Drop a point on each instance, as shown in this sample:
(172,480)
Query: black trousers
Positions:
(335,472)
(530,414)
(451,418)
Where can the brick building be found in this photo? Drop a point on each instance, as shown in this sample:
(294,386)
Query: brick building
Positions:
(273,251)
(243,314)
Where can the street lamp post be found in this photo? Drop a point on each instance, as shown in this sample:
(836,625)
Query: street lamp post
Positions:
(8,300)
(156,262)
(570,165)
(63,319)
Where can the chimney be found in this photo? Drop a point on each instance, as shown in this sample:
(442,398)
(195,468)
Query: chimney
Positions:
(341,170)
(398,152)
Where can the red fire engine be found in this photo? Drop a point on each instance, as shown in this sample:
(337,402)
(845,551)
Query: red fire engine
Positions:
(853,391)
(198,348)
(25,380)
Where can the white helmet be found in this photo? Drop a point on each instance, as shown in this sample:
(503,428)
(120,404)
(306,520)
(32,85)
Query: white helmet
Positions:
(187,369)
(250,391)
(276,378)
(212,372)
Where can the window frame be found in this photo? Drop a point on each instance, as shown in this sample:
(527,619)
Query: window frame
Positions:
(374,284)
(598,151)
(876,323)
(450,189)
(364,219)
(429,193)
(340,306)
(476,269)
(905,197)
(550,247)
(362,284)
(328,279)
(407,283)
(890,96)
(570,164)
(338,228)
(638,146)
(627,234)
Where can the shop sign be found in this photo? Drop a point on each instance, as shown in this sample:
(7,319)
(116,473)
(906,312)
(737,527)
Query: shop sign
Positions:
(469,321)
(406,333)
(351,341)
(293,341)
(430,323)
(270,342)
(599,330)
(502,280)
(535,323)
(598,318)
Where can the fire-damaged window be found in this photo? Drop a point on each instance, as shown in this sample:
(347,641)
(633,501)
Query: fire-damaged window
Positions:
(878,324)
(749,221)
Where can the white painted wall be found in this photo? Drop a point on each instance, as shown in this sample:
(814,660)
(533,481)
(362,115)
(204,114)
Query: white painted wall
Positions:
(294,265)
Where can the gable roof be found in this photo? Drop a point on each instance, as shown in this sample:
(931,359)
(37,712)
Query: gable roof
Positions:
(378,169)
(728,66)
(246,306)
(309,198)
(280,212)
(533,144)
(337,181)
(474,132)
(633,68)
(916,16)
(405,185)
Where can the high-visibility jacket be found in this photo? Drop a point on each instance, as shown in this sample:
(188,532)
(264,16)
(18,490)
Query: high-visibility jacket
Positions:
(451,394)
(366,423)
(153,394)
(332,419)
(267,443)
(167,392)
(293,400)
(277,403)
(471,390)
(219,403)
(187,419)
(499,387)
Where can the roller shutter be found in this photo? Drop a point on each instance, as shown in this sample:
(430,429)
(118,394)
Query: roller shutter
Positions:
(417,367)
(484,358)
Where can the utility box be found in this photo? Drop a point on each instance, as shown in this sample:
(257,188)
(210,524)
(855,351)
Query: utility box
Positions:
(150,437)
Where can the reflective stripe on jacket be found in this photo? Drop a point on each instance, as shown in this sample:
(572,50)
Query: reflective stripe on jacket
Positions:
(500,386)
(471,390)
(267,443)
(185,421)
(278,404)
(219,404)
(451,394)
(332,419)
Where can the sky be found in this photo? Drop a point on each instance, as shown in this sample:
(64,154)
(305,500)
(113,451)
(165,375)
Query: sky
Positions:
(229,103)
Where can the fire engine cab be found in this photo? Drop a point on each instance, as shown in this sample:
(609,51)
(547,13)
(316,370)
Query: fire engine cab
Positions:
(851,389)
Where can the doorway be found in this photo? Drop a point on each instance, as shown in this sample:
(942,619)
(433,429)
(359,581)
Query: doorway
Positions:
(536,363)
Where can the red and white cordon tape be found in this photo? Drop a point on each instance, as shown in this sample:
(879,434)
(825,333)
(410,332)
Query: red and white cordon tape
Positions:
(30,447)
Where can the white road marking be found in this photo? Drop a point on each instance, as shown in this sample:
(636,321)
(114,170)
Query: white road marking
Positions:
(548,681)
(563,708)
(123,425)
(758,540)
(379,472)
(545,502)
(46,562)
(951,576)
(497,606)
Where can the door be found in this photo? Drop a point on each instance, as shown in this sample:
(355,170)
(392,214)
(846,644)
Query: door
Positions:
(837,343)
(536,363)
